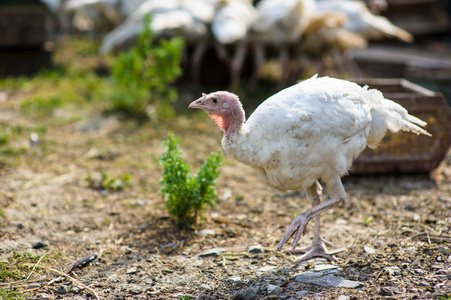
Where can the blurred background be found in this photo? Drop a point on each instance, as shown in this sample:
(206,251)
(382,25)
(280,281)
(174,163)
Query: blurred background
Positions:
(239,43)
(147,59)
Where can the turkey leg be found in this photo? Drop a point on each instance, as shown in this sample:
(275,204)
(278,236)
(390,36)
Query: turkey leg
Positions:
(318,248)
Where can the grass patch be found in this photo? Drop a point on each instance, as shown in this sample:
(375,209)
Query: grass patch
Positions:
(10,294)
(14,269)
(17,266)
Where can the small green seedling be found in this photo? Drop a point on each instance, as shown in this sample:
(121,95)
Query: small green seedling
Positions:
(367,221)
(186,196)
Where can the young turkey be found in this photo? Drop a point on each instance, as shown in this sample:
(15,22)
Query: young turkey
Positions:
(312,130)
(280,25)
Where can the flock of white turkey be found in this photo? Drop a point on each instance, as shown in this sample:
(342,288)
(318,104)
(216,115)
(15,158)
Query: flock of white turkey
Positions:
(299,33)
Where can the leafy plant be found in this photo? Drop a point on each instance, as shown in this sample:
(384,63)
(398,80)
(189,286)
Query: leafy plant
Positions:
(186,195)
(141,76)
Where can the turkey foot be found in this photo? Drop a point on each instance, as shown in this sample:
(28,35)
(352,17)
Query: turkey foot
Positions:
(300,222)
(297,226)
(316,249)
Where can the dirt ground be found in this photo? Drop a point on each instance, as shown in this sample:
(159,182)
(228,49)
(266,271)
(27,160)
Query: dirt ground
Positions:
(396,234)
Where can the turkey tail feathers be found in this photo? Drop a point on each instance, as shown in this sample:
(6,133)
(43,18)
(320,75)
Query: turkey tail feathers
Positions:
(413,124)
(389,115)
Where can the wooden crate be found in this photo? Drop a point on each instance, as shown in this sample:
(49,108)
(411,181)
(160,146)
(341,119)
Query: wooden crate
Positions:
(22,26)
(405,152)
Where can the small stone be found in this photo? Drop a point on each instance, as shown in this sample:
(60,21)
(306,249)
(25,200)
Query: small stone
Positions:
(423,283)
(226,195)
(75,289)
(330,280)
(132,270)
(301,294)
(247,294)
(114,279)
(136,289)
(444,250)
(416,217)
(343,297)
(62,289)
(39,245)
(437,267)
(34,138)
(264,269)
(207,232)
(212,252)
(415,263)
(255,249)
(235,279)
(341,222)
(341,283)
(392,271)
(325,267)
(205,286)
(33,286)
(378,242)
(306,276)
(274,289)
(369,250)
(418,271)
(385,292)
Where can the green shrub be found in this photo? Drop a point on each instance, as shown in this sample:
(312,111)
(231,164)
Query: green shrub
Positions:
(186,196)
(141,76)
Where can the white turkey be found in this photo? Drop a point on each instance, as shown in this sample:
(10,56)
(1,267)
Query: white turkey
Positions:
(189,19)
(230,27)
(326,42)
(95,16)
(278,24)
(312,130)
(361,21)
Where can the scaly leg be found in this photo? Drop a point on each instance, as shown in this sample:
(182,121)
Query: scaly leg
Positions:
(299,223)
(318,247)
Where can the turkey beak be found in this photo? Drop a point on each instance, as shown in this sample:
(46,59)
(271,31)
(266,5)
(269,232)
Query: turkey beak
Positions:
(199,103)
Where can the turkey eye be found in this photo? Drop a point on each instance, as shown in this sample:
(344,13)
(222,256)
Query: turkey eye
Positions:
(215,100)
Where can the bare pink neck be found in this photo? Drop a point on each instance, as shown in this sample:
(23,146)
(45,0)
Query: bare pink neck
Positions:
(231,122)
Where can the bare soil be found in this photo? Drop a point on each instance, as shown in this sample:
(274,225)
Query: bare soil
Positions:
(396,233)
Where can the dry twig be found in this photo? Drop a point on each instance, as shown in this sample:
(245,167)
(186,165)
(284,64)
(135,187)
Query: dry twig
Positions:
(73,279)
